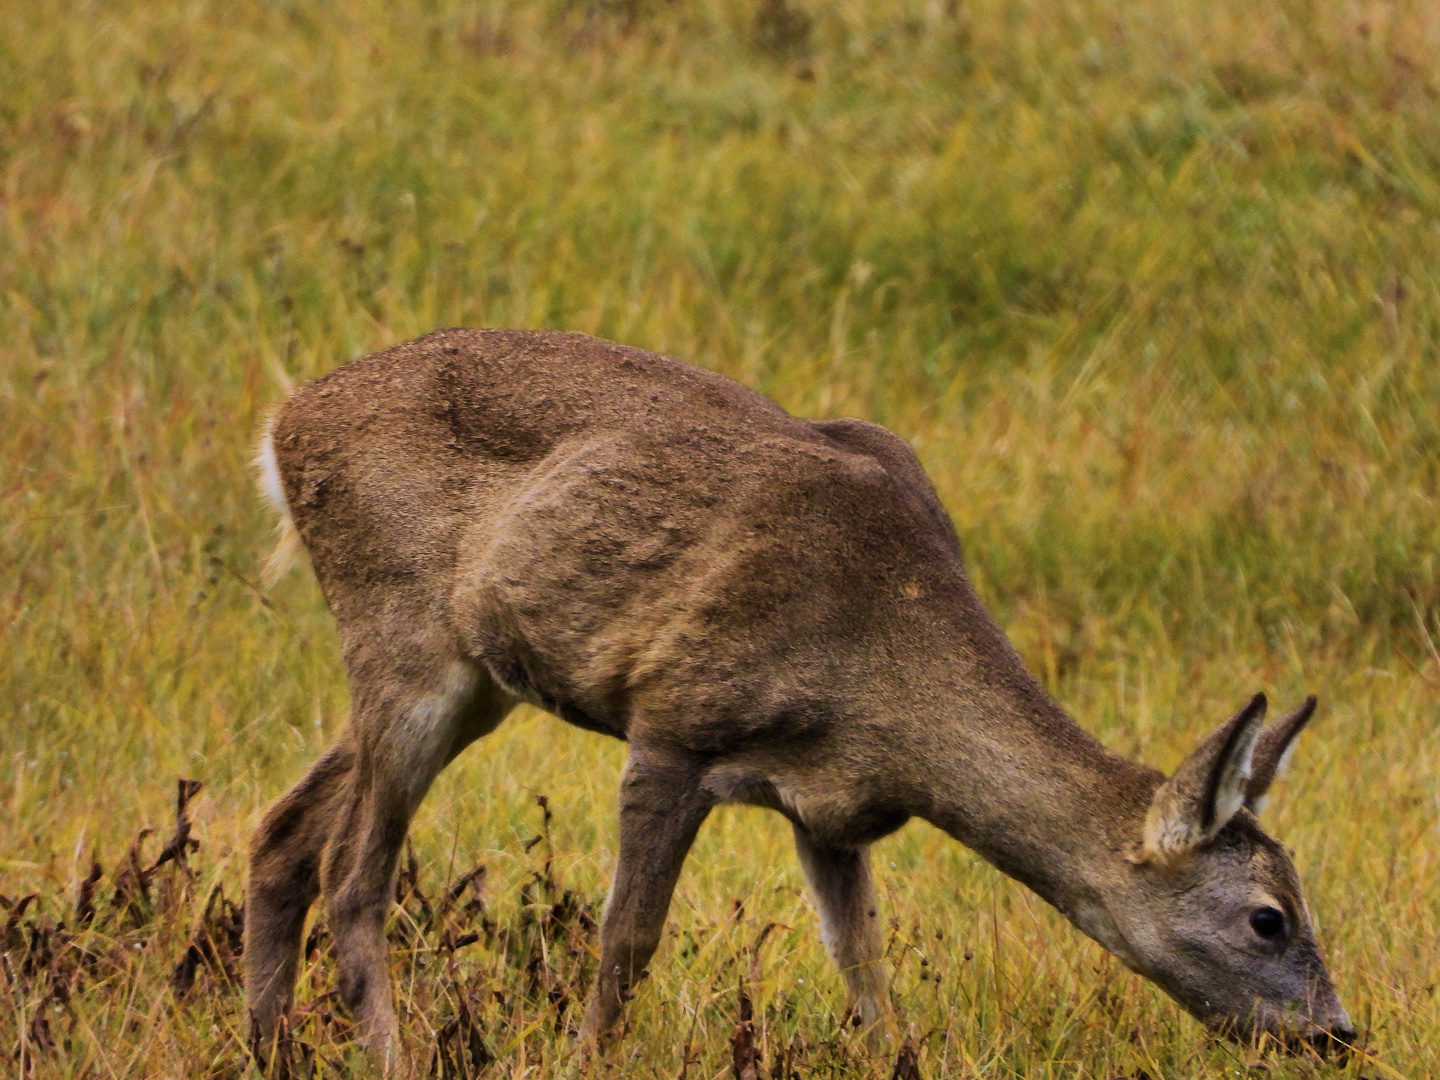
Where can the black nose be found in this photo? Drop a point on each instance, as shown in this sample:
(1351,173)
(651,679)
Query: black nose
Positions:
(1337,1042)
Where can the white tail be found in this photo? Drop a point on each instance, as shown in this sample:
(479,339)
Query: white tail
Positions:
(288,549)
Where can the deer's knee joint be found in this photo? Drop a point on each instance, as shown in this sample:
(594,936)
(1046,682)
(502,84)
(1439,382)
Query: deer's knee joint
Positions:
(623,960)
(353,986)
(355,907)
(276,831)
(289,888)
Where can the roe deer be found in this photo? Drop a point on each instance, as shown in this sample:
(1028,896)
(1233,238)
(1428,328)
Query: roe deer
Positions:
(769,610)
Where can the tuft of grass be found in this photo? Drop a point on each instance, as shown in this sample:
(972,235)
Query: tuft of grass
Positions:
(1151,288)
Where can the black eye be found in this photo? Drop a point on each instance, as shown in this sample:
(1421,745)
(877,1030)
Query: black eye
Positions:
(1267,922)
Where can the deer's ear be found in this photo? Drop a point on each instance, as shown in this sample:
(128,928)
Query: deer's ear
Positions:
(1206,791)
(1272,751)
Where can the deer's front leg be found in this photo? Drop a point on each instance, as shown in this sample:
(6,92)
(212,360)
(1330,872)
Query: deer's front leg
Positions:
(844,894)
(661,809)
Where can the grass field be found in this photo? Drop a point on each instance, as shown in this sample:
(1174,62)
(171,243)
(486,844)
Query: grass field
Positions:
(1152,287)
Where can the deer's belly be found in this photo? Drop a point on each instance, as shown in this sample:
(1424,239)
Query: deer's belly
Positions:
(834,812)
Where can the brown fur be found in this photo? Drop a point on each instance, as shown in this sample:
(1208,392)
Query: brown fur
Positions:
(769,610)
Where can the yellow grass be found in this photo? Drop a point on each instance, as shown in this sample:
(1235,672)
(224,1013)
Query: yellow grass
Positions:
(1152,287)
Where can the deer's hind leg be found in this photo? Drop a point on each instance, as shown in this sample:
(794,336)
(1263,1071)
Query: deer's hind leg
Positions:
(285,856)
(406,728)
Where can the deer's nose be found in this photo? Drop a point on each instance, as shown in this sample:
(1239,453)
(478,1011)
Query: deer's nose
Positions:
(1336,1041)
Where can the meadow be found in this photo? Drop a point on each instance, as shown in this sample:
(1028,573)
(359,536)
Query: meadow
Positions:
(1153,288)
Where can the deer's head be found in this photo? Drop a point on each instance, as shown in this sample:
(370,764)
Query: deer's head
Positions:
(1210,907)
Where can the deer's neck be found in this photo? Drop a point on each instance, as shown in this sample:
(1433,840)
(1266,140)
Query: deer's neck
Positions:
(1004,770)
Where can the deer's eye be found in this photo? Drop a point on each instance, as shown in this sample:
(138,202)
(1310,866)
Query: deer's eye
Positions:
(1267,922)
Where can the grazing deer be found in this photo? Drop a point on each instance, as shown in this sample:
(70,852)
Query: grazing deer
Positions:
(769,610)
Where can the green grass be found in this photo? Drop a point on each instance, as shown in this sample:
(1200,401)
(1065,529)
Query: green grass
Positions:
(1152,288)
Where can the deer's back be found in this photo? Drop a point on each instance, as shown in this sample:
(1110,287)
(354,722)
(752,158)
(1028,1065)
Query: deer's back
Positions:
(619,536)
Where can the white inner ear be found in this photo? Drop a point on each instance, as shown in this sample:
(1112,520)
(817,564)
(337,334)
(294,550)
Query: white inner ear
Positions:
(1283,765)
(1234,777)
(1257,802)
